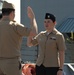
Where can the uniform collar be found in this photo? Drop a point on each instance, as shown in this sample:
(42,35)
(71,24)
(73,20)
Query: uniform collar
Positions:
(53,32)
(5,19)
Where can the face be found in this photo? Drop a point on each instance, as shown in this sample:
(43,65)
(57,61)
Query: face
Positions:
(49,24)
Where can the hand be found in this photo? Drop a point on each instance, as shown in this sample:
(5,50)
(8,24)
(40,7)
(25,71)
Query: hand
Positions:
(60,72)
(30,13)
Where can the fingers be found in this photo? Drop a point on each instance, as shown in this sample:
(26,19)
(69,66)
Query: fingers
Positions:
(29,8)
(30,12)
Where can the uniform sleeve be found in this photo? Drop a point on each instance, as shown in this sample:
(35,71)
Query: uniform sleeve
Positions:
(34,42)
(61,42)
(22,30)
(35,39)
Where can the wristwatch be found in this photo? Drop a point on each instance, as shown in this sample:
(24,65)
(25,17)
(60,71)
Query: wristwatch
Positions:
(60,69)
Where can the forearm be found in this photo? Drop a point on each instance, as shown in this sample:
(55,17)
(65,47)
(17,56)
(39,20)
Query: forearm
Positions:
(61,58)
(34,26)
(29,39)
(33,22)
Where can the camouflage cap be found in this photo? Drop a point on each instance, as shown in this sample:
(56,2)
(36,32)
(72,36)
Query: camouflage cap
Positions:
(7,5)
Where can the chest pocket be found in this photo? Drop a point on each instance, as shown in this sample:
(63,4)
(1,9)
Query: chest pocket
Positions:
(51,42)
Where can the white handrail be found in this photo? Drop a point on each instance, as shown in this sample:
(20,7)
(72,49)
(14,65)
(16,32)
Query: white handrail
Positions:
(71,67)
(68,63)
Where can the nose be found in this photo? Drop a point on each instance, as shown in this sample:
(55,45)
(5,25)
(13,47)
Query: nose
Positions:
(46,25)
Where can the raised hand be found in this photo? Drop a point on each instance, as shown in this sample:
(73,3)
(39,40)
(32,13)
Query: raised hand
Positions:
(30,13)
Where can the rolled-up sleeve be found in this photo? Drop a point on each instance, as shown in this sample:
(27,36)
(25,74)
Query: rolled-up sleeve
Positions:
(61,42)
(22,30)
(35,40)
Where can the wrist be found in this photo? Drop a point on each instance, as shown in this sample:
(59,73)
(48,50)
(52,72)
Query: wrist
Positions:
(60,69)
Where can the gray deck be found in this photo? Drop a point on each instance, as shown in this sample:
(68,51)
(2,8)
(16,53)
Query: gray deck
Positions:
(68,69)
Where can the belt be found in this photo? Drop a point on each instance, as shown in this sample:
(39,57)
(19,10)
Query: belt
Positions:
(2,58)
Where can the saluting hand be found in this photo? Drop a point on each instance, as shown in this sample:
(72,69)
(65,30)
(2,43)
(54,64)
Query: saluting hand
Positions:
(30,13)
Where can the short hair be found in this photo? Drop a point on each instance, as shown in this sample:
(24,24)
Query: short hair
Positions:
(7,11)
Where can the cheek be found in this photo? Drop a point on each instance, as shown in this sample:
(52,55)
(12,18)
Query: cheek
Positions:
(14,15)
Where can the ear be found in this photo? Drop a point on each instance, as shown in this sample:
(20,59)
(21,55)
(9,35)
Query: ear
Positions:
(55,22)
(10,14)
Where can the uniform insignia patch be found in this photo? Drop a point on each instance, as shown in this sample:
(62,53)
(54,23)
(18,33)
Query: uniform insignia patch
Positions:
(54,38)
